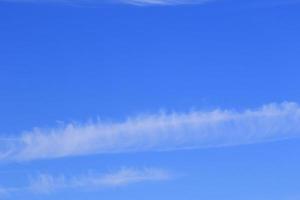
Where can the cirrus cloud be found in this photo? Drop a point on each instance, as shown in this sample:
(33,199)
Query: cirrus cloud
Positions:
(46,183)
(158,132)
(162,2)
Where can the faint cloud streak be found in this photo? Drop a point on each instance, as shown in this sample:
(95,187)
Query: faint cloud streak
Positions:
(162,2)
(129,2)
(45,183)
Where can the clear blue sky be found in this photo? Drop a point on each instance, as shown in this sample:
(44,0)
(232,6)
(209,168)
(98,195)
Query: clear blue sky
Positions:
(64,63)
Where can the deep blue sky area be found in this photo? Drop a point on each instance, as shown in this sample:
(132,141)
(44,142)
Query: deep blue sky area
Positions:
(73,62)
(76,62)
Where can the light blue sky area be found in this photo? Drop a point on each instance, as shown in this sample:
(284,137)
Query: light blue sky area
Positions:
(150,100)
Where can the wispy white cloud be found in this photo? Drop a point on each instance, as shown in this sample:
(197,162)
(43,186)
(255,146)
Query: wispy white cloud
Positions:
(45,183)
(130,2)
(162,2)
(159,132)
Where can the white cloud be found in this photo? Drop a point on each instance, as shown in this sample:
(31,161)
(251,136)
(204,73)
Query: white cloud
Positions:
(159,132)
(128,176)
(130,2)
(45,183)
(162,2)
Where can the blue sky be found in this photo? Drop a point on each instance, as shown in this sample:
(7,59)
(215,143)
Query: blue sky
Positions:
(141,99)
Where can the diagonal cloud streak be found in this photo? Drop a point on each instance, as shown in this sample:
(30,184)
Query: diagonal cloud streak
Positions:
(159,132)
(129,2)
(46,183)
(162,2)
